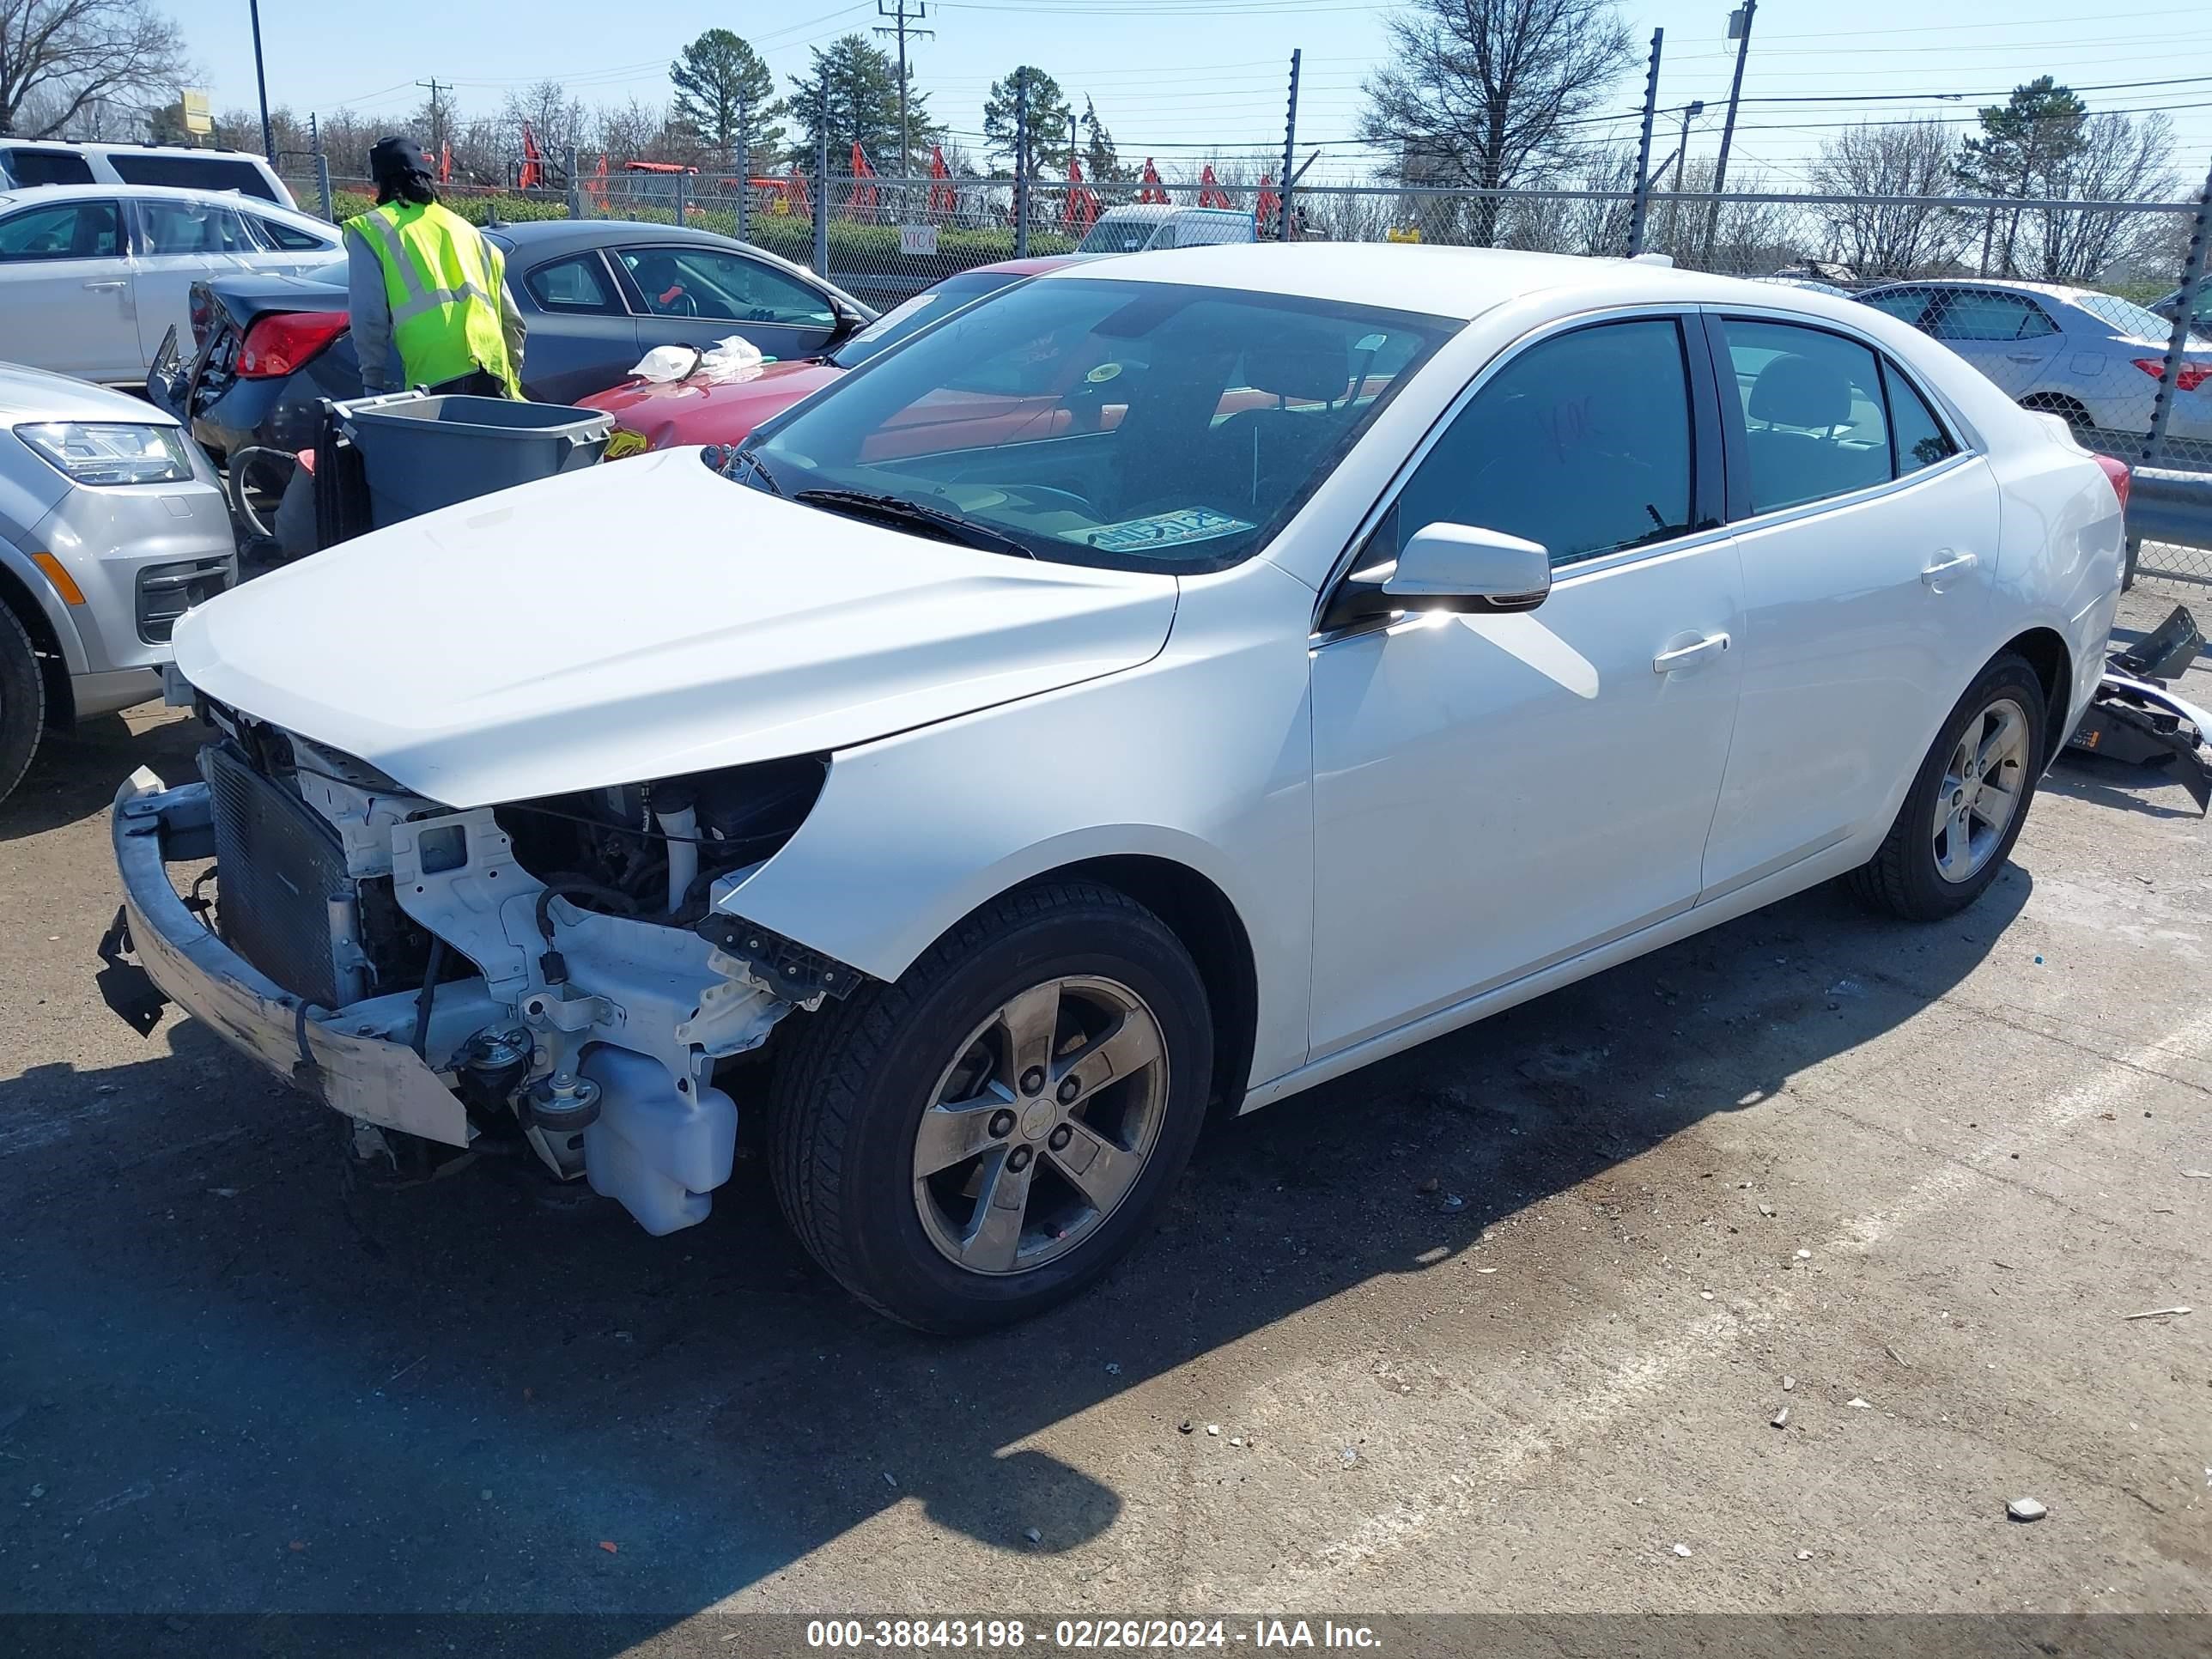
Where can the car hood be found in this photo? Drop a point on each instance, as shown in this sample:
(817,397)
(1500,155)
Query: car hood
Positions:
(669,415)
(646,619)
(30,395)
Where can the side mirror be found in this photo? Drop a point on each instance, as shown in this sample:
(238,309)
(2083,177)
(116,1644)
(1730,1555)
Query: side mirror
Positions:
(1463,567)
(1446,567)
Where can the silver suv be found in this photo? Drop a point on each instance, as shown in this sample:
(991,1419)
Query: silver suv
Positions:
(112,526)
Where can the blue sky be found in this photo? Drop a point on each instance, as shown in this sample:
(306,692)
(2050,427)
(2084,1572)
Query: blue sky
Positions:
(1171,76)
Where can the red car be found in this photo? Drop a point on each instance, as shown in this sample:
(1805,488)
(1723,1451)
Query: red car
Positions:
(650,416)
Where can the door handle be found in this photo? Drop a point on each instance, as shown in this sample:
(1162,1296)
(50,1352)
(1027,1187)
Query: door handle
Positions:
(1957,565)
(108,287)
(2025,357)
(1689,656)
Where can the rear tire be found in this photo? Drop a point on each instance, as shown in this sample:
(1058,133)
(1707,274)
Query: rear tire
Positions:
(1967,802)
(22,701)
(983,1137)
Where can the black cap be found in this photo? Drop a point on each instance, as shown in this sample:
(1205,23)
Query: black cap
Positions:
(395,158)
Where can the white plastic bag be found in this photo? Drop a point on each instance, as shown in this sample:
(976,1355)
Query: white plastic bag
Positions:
(735,358)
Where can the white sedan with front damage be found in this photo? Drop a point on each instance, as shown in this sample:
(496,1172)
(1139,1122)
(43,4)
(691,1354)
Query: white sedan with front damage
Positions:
(1170,683)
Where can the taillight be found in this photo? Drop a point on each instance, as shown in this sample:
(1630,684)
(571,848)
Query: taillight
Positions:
(2192,376)
(282,344)
(201,315)
(2118,472)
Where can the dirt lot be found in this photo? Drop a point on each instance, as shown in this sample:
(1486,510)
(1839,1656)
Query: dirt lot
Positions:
(1906,1183)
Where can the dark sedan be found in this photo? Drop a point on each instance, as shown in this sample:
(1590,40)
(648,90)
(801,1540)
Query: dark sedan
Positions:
(597,294)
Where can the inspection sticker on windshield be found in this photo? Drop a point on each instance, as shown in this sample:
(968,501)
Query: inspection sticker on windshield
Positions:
(1163,530)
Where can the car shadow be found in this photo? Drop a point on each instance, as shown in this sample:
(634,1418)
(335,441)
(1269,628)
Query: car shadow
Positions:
(248,1384)
(75,773)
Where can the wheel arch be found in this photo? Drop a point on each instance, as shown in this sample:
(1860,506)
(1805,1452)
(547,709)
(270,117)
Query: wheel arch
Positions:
(2047,653)
(1205,920)
(46,642)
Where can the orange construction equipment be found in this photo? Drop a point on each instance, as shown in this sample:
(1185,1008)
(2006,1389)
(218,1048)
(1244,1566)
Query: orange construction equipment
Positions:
(1081,211)
(533,162)
(1268,215)
(863,200)
(595,187)
(943,198)
(1151,189)
(1210,193)
(446,164)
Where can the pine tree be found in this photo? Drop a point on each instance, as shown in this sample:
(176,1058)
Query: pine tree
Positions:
(855,83)
(1050,120)
(2023,141)
(1099,157)
(724,92)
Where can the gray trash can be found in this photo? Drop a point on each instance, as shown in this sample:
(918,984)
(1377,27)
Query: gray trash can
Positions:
(421,451)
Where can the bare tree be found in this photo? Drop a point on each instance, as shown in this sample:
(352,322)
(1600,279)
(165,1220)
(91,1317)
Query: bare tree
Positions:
(1487,92)
(639,131)
(2116,159)
(1889,239)
(556,119)
(61,58)
(1748,239)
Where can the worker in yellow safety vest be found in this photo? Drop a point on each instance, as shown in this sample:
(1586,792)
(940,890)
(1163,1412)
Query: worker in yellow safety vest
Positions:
(426,292)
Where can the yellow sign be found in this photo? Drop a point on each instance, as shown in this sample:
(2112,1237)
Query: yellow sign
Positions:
(196,116)
(1393,234)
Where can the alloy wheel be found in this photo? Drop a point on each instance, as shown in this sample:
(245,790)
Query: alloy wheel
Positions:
(1984,783)
(1041,1126)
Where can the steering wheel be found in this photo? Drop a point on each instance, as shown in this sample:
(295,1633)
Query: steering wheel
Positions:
(1080,504)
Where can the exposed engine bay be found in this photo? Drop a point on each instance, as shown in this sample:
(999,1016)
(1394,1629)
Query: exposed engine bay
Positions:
(561,966)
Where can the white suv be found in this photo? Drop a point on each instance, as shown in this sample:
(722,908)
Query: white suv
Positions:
(25,164)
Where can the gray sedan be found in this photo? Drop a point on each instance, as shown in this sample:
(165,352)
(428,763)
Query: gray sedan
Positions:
(598,294)
(112,526)
(2093,358)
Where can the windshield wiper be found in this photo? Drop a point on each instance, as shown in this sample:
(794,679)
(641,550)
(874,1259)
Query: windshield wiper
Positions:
(912,515)
(750,458)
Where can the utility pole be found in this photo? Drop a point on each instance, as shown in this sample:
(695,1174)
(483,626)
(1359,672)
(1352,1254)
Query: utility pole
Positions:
(435,85)
(1739,31)
(1640,211)
(1290,145)
(902,27)
(261,85)
(1691,111)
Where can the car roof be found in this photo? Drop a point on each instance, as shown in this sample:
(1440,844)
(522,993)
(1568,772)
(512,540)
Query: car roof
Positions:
(1442,282)
(30,194)
(538,240)
(107,147)
(2002,285)
(1152,211)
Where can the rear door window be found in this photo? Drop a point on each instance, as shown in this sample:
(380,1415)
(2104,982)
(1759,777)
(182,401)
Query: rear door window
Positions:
(193,172)
(28,168)
(1814,418)
(576,284)
(1980,313)
(67,230)
(707,282)
(175,227)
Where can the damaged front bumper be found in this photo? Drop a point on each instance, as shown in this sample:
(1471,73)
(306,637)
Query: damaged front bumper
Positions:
(349,1062)
(599,1053)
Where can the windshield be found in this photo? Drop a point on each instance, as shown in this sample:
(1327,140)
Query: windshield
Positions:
(925,308)
(1135,425)
(1112,235)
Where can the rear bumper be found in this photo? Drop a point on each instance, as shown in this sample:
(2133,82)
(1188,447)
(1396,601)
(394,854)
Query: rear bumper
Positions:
(352,1069)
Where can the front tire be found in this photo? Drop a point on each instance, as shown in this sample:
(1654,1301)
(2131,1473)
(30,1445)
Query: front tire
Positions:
(22,701)
(1967,803)
(983,1137)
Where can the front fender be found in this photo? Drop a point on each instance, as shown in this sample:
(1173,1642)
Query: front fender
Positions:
(1201,757)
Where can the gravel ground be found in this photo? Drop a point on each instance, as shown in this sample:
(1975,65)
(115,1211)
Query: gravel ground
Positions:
(1503,1324)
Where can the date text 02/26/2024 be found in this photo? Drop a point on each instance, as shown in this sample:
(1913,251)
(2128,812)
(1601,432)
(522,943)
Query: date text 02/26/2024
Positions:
(1086,1635)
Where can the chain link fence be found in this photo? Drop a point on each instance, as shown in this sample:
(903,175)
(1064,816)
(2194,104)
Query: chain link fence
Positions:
(2093,352)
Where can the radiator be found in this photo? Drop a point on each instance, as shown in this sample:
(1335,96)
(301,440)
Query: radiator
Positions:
(283,898)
